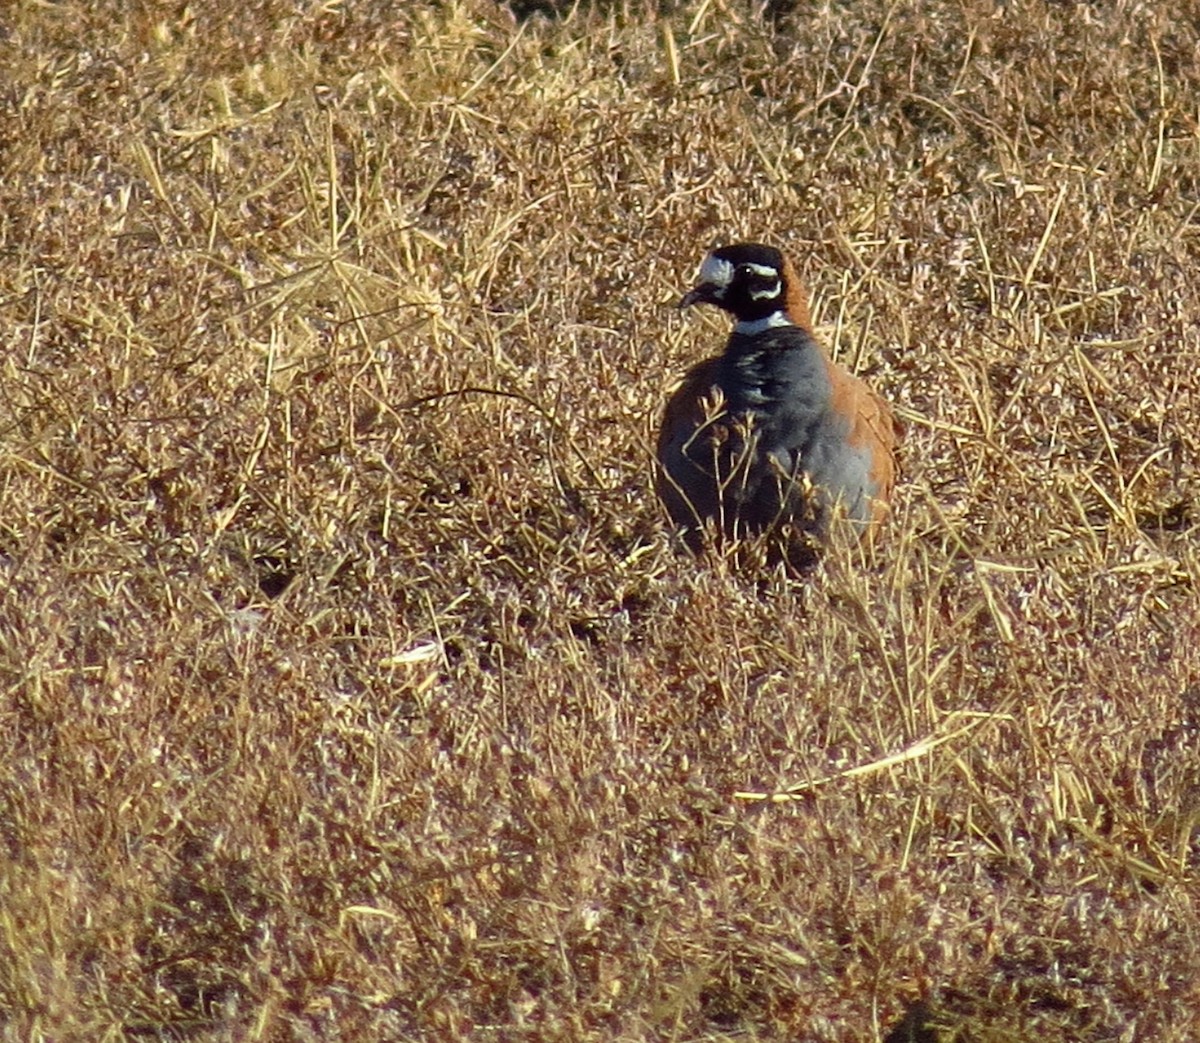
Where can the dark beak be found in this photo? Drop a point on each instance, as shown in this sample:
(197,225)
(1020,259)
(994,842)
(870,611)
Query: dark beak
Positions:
(702,294)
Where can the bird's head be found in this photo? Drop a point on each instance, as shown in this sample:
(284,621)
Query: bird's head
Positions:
(755,283)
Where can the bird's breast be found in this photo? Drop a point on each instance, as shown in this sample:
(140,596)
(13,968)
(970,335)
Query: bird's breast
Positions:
(775,375)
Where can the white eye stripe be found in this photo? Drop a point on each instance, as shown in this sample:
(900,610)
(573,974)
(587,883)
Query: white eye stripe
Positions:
(767,271)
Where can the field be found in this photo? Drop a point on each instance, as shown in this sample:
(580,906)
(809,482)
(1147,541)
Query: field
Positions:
(352,686)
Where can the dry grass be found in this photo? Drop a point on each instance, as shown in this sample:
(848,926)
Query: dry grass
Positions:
(352,688)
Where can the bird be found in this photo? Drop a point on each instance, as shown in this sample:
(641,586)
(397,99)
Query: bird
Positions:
(771,436)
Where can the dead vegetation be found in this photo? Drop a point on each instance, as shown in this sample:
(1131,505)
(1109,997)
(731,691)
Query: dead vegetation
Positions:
(352,688)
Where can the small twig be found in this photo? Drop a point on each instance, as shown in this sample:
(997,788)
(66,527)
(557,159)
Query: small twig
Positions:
(918,749)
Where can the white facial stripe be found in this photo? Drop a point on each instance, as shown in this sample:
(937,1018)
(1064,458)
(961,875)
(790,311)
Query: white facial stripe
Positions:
(768,293)
(750,328)
(716,272)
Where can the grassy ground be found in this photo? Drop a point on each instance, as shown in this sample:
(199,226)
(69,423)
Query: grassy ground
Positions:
(350,684)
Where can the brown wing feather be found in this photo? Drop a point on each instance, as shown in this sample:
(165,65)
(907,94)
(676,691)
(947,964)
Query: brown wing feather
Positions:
(873,426)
